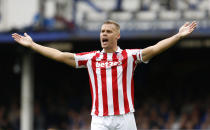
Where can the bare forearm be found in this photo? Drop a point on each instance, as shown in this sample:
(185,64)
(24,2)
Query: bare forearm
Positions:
(166,43)
(52,53)
(46,51)
(161,46)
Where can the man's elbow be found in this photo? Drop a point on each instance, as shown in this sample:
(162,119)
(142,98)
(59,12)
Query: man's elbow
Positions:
(152,51)
(62,57)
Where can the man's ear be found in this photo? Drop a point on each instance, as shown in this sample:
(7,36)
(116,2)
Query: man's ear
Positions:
(118,37)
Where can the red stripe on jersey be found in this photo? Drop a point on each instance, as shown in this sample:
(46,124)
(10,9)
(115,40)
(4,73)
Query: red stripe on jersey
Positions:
(91,90)
(104,87)
(96,81)
(124,80)
(82,62)
(132,81)
(115,87)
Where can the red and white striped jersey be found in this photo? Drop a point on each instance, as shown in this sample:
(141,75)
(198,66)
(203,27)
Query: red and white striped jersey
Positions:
(111,79)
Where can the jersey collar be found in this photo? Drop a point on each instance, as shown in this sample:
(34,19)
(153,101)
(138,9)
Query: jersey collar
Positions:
(118,50)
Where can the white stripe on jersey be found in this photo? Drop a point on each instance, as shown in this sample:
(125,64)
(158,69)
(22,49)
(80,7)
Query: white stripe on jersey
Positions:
(120,89)
(100,98)
(129,77)
(90,71)
(109,87)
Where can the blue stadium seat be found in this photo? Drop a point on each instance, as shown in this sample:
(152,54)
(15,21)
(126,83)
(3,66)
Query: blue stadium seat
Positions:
(194,14)
(146,15)
(121,16)
(131,5)
(169,15)
(105,5)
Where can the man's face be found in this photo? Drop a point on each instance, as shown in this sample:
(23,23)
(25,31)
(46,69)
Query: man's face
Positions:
(109,36)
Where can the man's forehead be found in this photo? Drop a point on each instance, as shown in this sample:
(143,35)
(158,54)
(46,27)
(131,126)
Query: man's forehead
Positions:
(108,26)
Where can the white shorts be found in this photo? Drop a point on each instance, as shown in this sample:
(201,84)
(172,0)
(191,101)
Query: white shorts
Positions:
(118,122)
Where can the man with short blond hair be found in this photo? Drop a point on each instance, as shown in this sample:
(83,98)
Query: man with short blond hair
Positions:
(110,72)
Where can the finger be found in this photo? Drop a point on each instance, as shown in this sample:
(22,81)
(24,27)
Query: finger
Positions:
(186,24)
(193,25)
(16,36)
(192,29)
(16,39)
(25,34)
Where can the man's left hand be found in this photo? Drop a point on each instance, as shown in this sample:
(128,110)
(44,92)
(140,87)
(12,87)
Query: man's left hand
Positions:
(187,28)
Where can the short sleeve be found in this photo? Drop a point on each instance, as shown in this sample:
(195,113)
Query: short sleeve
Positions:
(138,54)
(81,59)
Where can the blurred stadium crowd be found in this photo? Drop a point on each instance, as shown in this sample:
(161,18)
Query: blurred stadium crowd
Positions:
(89,14)
(151,114)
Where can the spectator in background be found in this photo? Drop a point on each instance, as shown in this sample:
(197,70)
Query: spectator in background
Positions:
(14,116)
(4,122)
(206,119)
(39,119)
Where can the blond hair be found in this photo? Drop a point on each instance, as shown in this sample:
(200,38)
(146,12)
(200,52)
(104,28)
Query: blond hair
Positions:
(114,23)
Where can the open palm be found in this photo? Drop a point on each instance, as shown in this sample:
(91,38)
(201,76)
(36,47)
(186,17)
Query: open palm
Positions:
(187,28)
(25,40)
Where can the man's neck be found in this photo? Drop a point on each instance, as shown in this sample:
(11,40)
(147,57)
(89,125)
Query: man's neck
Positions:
(112,50)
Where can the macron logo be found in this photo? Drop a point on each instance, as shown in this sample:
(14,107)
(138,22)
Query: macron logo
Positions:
(108,64)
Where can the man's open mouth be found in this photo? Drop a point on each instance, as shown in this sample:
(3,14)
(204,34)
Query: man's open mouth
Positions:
(104,40)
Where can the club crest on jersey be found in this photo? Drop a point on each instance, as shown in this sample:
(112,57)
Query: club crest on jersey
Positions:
(119,56)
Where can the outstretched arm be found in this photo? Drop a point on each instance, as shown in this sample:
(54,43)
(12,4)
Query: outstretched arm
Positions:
(52,53)
(163,45)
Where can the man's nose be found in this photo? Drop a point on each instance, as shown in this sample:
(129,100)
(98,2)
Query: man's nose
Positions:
(104,34)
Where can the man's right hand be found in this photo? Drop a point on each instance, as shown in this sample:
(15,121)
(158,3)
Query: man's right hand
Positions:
(25,40)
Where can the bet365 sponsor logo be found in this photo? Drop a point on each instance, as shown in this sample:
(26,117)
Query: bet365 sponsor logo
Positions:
(108,64)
